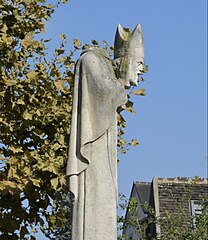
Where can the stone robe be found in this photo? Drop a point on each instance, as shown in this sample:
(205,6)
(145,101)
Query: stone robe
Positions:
(92,161)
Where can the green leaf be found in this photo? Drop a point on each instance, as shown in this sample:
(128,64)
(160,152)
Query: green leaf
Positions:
(94,42)
(59,52)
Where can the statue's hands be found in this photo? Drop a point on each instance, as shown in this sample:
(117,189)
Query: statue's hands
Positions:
(125,83)
(121,94)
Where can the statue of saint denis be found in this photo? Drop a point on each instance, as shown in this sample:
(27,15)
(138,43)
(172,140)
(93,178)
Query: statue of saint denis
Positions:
(99,89)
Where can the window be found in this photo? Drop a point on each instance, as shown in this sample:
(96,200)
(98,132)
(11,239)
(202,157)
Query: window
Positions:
(196,210)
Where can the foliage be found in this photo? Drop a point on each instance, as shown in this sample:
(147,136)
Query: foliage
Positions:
(175,226)
(62,232)
(122,145)
(35,103)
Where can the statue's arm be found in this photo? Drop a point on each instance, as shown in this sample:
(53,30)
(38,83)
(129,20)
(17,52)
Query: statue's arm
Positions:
(102,82)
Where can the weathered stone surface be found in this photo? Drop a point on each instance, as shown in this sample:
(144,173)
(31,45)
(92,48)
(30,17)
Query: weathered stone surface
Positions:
(92,161)
(92,165)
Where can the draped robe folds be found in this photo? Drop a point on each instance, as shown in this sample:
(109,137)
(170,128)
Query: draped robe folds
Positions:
(92,160)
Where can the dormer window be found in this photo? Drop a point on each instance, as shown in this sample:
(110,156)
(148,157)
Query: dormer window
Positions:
(196,210)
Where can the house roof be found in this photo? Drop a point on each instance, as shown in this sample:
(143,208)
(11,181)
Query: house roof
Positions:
(143,191)
(140,190)
(164,190)
(170,194)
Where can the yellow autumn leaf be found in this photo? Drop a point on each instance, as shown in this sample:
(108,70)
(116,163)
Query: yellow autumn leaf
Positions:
(28,40)
(10,82)
(4,28)
(140,92)
(15,149)
(7,40)
(62,36)
(62,180)
(34,230)
(11,173)
(27,171)
(20,102)
(55,169)
(77,43)
(61,59)
(54,183)
(134,142)
(61,139)
(60,85)
(27,115)
(8,185)
(129,109)
(13,160)
(36,182)
(122,141)
(31,74)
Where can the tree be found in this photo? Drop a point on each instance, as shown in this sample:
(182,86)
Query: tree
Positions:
(35,103)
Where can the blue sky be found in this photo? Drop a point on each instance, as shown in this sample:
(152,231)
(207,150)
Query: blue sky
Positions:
(171,120)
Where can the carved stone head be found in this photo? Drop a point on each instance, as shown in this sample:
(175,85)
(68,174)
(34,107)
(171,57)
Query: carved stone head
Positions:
(129,52)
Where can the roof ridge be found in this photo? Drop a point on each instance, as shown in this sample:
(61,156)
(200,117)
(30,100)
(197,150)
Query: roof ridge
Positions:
(183,179)
(141,182)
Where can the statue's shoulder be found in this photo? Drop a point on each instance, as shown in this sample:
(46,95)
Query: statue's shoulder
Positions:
(97,61)
(94,54)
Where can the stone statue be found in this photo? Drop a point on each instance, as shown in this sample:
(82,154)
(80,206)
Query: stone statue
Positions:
(99,90)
